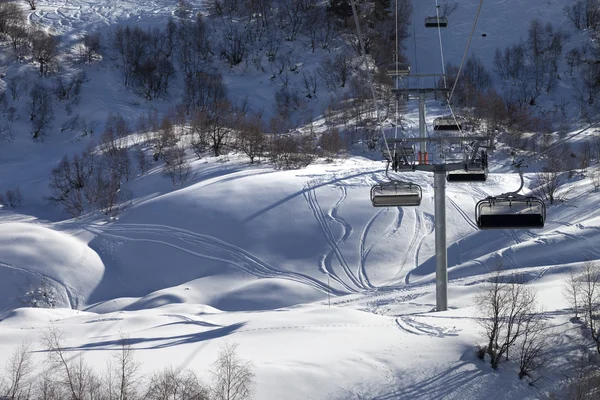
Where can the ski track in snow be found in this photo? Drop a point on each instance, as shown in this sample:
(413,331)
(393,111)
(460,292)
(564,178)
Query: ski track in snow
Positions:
(411,325)
(225,252)
(462,213)
(414,242)
(361,243)
(311,199)
(389,231)
(68,290)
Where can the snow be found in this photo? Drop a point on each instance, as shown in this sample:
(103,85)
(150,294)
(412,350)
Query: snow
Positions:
(248,254)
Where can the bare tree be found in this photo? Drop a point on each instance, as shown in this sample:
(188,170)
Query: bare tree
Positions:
(44,48)
(505,308)
(331,142)
(590,299)
(171,384)
(16,86)
(252,138)
(40,110)
(69,183)
(122,378)
(572,292)
(18,370)
(233,377)
(10,15)
(164,139)
(75,377)
(14,198)
(90,47)
(178,168)
(532,345)
(595,175)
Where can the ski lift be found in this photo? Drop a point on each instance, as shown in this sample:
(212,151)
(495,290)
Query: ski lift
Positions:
(447,124)
(396,194)
(510,211)
(475,170)
(401,156)
(398,69)
(436,22)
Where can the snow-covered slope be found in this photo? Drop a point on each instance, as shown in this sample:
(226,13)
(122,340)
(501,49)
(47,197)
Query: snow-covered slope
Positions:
(329,297)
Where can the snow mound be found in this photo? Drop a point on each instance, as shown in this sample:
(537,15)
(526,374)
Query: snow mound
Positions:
(38,261)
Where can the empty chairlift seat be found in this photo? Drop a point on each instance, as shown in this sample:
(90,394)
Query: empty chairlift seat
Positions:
(398,69)
(436,22)
(510,212)
(447,124)
(396,194)
(475,171)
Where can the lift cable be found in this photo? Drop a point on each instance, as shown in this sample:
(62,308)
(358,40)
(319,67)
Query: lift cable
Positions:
(368,72)
(466,50)
(397,74)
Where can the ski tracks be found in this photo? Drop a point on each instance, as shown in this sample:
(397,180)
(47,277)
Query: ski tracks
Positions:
(414,327)
(68,290)
(202,246)
(463,214)
(322,219)
(390,230)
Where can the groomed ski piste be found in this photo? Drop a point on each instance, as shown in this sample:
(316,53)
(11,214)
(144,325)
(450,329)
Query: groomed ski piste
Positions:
(329,297)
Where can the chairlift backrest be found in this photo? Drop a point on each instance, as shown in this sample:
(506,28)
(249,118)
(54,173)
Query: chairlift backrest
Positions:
(396,194)
(396,69)
(447,124)
(469,176)
(435,22)
(510,212)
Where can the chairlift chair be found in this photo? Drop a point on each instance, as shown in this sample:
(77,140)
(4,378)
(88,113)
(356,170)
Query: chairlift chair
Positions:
(447,124)
(398,69)
(401,157)
(510,211)
(436,22)
(475,170)
(396,194)
(468,175)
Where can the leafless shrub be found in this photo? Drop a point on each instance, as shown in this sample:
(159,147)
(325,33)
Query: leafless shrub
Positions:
(595,176)
(178,168)
(20,41)
(251,137)
(583,14)
(90,49)
(571,292)
(233,377)
(69,90)
(506,308)
(584,386)
(89,127)
(143,162)
(71,124)
(292,152)
(10,15)
(41,113)
(331,143)
(16,86)
(18,370)
(532,345)
(122,374)
(44,49)
(76,380)
(171,384)
(14,198)
(164,138)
